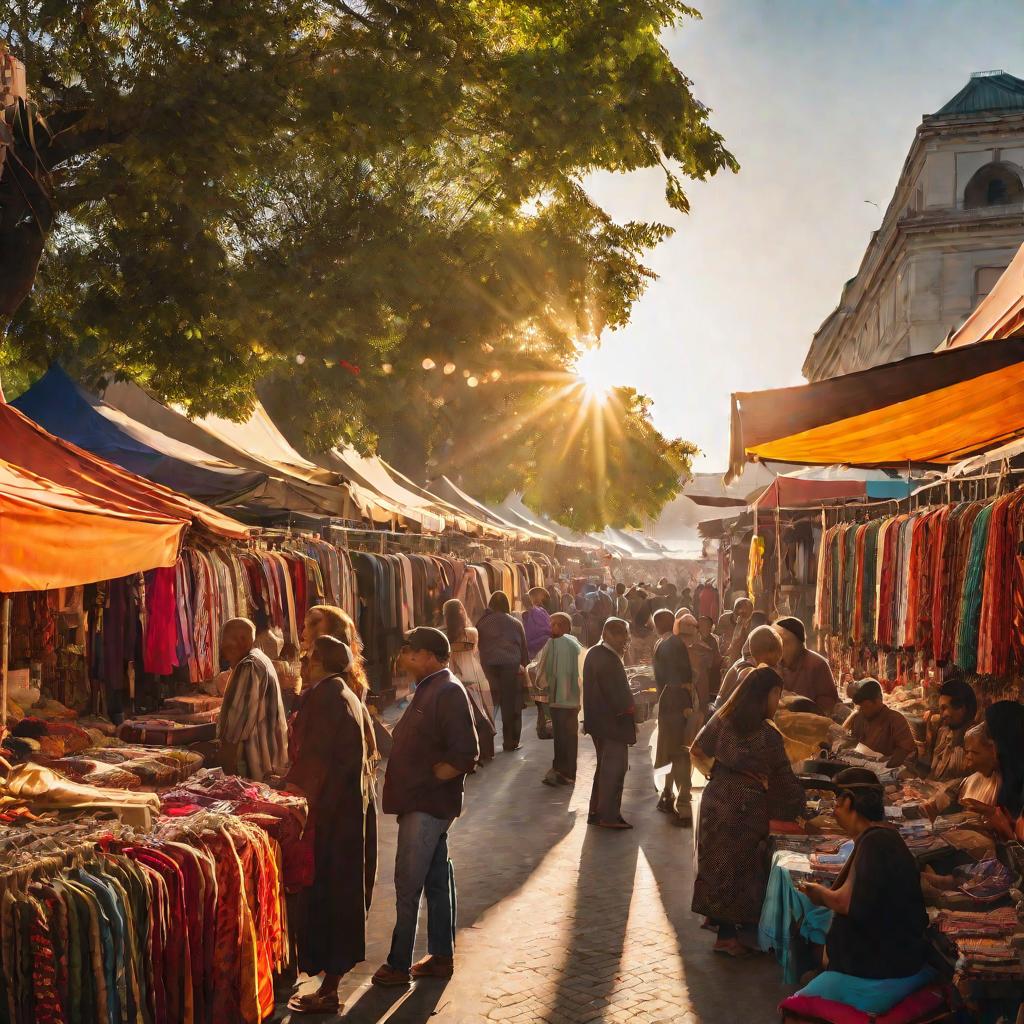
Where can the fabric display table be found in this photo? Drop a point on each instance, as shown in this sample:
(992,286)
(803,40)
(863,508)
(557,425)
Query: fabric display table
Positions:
(977,935)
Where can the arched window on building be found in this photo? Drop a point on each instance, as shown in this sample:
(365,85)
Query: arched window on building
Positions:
(994,185)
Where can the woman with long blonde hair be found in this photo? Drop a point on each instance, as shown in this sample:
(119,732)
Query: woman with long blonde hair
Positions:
(465,660)
(329,620)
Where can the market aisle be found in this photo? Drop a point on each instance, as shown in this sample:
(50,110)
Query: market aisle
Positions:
(563,923)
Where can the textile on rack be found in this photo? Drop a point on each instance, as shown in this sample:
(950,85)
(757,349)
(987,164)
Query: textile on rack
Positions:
(944,584)
(186,924)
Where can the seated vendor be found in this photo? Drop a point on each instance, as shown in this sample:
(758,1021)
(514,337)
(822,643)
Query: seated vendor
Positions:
(947,732)
(881,728)
(876,942)
(980,787)
(1004,728)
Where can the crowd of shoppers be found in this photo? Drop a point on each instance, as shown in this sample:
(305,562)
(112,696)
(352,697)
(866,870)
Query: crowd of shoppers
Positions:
(719,686)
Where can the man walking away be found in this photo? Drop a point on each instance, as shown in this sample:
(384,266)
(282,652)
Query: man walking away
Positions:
(503,654)
(435,747)
(608,718)
(679,719)
(557,678)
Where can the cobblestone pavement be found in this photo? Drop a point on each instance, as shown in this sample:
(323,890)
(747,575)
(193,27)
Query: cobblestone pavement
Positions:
(562,923)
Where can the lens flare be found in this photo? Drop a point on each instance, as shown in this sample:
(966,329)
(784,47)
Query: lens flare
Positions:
(595,374)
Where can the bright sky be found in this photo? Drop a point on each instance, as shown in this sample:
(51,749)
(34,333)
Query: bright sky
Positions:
(818,100)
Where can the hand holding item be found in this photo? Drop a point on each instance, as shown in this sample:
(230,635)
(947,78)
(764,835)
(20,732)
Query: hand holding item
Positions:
(278,782)
(445,772)
(994,816)
(813,891)
(986,811)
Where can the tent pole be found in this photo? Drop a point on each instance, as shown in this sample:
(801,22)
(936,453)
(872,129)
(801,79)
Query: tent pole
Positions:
(778,560)
(5,647)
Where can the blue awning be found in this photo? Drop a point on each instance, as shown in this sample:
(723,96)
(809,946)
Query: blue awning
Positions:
(66,409)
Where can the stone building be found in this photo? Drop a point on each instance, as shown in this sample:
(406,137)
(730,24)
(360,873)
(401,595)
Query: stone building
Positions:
(952,227)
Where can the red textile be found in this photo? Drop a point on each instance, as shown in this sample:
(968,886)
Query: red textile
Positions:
(161,643)
(177,958)
(47,1007)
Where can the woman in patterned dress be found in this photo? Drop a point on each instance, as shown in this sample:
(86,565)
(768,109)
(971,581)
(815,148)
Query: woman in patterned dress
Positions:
(750,782)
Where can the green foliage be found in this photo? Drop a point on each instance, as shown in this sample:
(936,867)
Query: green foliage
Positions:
(361,184)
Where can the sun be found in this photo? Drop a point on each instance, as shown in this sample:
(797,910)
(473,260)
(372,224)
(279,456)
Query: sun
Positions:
(595,374)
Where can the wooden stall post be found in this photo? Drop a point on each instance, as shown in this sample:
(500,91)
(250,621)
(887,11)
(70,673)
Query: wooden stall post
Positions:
(5,650)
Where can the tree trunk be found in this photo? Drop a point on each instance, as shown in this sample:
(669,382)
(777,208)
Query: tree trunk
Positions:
(26,215)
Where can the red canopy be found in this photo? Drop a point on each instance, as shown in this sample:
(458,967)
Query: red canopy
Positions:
(794,492)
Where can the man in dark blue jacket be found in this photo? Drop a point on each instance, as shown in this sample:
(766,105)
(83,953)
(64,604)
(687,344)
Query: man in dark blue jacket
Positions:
(608,718)
(435,746)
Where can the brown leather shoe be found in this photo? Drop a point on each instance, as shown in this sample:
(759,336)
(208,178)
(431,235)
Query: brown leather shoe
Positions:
(389,977)
(434,967)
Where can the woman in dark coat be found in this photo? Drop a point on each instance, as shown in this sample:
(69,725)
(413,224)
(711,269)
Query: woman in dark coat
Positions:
(330,768)
(751,782)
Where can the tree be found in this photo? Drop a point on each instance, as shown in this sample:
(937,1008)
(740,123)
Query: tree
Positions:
(314,196)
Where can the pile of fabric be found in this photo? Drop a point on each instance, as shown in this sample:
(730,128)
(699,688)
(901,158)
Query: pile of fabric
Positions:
(130,767)
(40,789)
(281,815)
(983,943)
(943,582)
(37,739)
(101,926)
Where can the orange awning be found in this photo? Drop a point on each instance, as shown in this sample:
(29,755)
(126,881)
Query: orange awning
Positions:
(761,418)
(39,452)
(940,427)
(54,536)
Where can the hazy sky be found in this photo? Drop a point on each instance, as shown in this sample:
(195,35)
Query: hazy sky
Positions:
(818,100)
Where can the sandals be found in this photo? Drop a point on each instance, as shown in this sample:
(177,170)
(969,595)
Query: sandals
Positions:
(314,1002)
(733,948)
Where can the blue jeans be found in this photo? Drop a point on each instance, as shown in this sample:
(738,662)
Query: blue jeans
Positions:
(421,862)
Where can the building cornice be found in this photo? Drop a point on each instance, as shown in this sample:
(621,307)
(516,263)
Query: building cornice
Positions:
(821,357)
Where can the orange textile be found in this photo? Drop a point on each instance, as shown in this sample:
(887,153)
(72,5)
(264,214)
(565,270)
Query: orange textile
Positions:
(53,536)
(941,426)
(107,485)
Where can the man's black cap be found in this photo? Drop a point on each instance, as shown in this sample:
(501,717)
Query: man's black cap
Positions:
(866,689)
(426,638)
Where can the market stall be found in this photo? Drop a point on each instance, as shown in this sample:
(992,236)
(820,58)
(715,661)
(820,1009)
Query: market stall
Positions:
(971,887)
